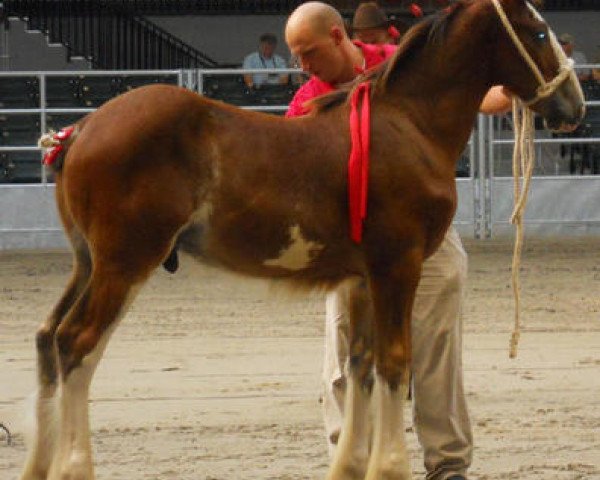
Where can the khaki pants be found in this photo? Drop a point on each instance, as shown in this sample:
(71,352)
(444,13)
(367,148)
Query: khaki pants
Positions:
(439,406)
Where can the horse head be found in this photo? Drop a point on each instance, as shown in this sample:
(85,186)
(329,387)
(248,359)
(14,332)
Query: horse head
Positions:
(532,64)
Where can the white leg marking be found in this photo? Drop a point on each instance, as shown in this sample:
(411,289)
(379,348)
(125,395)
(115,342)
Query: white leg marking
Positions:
(298,254)
(73,457)
(352,451)
(42,433)
(389,456)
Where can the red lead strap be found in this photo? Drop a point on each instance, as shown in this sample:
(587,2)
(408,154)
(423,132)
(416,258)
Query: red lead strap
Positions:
(358,163)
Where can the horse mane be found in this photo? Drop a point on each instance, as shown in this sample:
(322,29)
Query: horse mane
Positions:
(430,31)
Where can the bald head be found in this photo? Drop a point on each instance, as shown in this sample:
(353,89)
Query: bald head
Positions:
(313,18)
(316,36)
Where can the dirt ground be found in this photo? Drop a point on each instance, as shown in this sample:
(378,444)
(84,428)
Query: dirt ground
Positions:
(211,376)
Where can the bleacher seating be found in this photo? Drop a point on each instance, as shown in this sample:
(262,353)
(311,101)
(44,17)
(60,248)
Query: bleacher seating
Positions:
(22,129)
(463,166)
(227,88)
(584,157)
(96,90)
(91,91)
(273,95)
(20,167)
(64,92)
(591,89)
(232,89)
(56,121)
(19,92)
(129,82)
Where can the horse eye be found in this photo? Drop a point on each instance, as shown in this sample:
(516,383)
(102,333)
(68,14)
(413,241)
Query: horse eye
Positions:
(541,36)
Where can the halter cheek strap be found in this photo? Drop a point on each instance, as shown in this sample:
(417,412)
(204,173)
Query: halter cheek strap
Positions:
(545,89)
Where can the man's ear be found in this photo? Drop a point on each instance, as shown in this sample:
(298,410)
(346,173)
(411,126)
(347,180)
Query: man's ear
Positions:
(336,34)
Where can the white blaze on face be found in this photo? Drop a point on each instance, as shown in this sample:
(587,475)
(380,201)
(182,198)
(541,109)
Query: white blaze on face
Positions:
(298,254)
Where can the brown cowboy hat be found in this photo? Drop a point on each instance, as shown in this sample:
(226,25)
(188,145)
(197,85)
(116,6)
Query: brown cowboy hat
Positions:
(369,15)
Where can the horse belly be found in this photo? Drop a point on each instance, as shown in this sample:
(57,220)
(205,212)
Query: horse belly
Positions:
(251,245)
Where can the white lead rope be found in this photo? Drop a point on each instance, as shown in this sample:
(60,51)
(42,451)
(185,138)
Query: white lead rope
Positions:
(524,153)
(523,163)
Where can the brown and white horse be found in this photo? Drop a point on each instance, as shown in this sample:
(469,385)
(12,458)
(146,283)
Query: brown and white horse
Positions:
(161,169)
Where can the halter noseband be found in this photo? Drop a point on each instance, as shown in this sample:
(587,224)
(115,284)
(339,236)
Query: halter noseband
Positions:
(545,89)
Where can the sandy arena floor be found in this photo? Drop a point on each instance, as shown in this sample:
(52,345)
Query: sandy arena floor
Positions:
(214,377)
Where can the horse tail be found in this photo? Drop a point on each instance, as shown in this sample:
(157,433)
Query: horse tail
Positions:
(56,144)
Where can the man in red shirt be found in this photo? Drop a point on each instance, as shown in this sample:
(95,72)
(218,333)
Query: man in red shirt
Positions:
(316,35)
(323,49)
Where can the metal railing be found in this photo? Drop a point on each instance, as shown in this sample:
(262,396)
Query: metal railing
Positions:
(43,111)
(485,193)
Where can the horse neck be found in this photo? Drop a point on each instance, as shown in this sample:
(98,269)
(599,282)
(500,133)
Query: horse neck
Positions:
(443,85)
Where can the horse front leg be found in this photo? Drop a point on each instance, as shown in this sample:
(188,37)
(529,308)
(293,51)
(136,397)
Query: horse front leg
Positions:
(352,451)
(393,296)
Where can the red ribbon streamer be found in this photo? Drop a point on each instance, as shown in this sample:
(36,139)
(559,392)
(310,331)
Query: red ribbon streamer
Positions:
(393,32)
(53,153)
(416,10)
(358,163)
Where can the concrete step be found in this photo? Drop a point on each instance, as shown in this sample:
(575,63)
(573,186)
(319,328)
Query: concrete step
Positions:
(29,49)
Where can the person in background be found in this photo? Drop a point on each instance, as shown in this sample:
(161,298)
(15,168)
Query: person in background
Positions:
(370,24)
(567,41)
(316,35)
(265,58)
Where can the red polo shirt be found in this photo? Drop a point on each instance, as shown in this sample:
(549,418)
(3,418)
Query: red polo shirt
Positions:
(374,55)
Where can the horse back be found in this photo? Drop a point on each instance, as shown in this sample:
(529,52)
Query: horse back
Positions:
(161,167)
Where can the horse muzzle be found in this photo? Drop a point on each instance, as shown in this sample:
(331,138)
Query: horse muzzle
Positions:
(564,120)
(564,110)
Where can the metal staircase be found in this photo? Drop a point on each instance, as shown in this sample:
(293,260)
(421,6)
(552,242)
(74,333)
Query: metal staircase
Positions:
(108,35)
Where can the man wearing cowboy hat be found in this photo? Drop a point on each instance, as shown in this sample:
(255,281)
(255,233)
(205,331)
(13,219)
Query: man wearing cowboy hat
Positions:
(371,25)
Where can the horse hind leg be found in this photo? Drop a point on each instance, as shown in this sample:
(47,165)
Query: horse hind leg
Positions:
(352,451)
(41,448)
(81,340)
